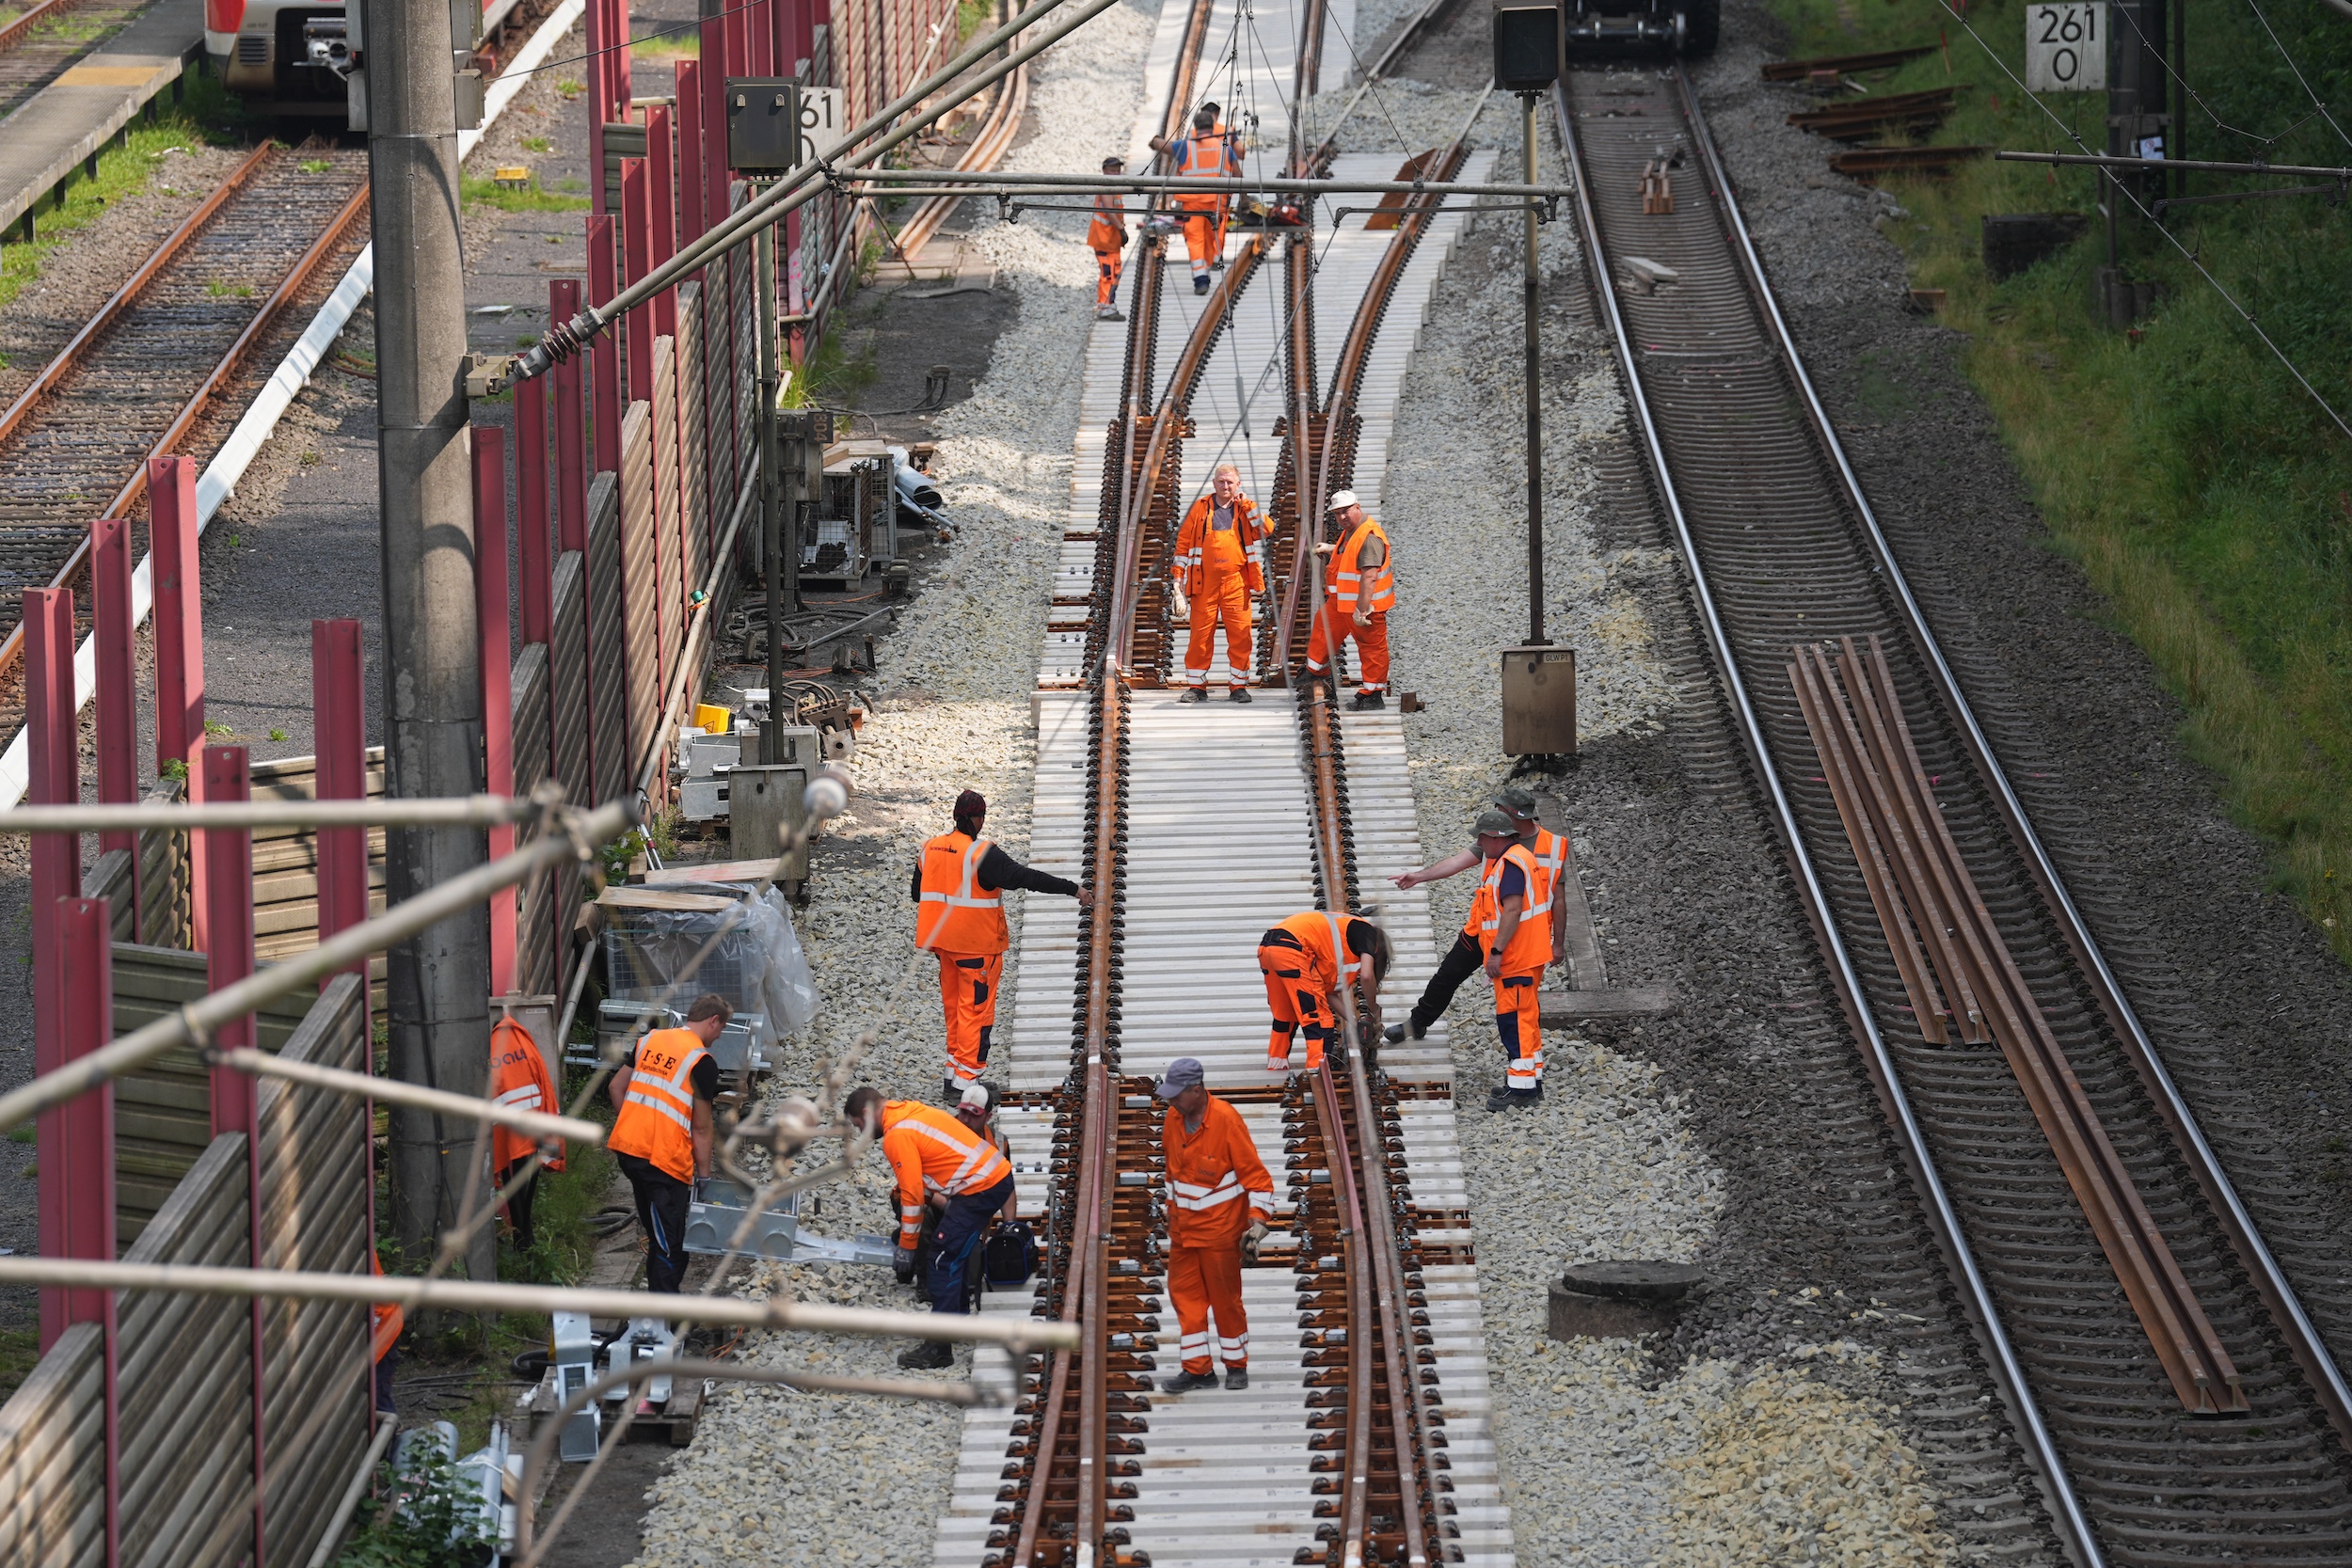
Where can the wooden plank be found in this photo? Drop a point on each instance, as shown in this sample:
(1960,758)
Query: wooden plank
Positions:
(641,588)
(1559,1008)
(695,520)
(568,667)
(535,932)
(53,1456)
(607,657)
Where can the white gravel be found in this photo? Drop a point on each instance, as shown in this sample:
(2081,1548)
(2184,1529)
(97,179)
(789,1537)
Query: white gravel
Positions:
(789,1478)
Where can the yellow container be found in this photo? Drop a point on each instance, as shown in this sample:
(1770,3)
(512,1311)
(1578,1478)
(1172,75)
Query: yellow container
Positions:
(711,719)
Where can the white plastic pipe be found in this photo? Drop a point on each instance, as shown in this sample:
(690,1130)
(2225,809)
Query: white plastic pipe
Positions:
(219,480)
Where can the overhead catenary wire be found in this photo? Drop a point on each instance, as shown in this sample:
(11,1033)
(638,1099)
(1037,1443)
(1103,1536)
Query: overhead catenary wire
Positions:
(2318,105)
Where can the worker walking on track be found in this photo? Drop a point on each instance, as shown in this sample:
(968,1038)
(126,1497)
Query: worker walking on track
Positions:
(519,1081)
(1512,916)
(662,1134)
(934,1155)
(1219,1198)
(1210,153)
(1358,590)
(1220,566)
(959,894)
(1305,960)
(1465,958)
(1107,237)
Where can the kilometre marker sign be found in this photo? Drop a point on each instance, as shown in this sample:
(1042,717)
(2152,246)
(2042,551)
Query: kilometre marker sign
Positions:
(2066,48)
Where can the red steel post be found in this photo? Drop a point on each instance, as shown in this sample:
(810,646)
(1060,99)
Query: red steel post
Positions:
(661,204)
(598,74)
(738,43)
(86,989)
(761,33)
(605,355)
(691,156)
(54,780)
(498,676)
(636,261)
(571,444)
(117,645)
(171,536)
(339,724)
(716,65)
(532,561)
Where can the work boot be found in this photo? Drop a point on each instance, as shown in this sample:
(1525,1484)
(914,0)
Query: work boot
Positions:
(1507,1098)
(951,1091)
(1200,285)
(1195,694)
(1239,694)
(1108,313)
(1369,700)
(1237,1379)
(929,1356)
(1184,1383)
(1396,1031)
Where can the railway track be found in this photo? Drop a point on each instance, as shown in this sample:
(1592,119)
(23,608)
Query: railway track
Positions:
(42,41)
(2163,1379)
(140,377)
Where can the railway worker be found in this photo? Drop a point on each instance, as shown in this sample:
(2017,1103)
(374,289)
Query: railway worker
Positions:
(1306,960)
(661,1135)
(1466,956)
(959,894)
(977,1110)
(1210,153)
(934,1154)
(1107,237)
(1220,566)
(1513,919)
(1219,1198)
(519,1079)
(1358,590)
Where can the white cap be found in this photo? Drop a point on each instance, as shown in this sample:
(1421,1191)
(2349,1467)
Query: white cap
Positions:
(1340,501)
(975,1097)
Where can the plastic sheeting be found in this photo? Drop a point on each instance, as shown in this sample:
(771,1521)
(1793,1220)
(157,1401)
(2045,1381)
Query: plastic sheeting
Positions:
(756,964)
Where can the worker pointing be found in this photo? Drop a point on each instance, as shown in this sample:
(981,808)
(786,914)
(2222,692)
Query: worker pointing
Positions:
(959,894)
(1358,590)
(1219,1198)
(1220,564)
(1106,236)
(935,1156)
(1209,153)
(661,1131)
(1512,915)
(1467,955)
(1306,960)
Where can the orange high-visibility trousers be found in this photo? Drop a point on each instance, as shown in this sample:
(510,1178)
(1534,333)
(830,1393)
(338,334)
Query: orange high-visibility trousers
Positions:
(1518,1021)
(1109,264)
(1204,239)
(968,985)
(1206,1282)
(1291,996)
(1334,626)
(1224,599)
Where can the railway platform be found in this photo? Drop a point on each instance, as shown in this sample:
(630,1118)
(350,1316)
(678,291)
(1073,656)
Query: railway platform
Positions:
(66,123)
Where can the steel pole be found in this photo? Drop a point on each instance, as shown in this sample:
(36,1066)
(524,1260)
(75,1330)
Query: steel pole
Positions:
(439,980)
(1535,638)
(771,483)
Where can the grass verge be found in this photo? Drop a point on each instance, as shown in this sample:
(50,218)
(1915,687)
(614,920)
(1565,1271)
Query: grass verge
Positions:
(2203,491)
(531,199)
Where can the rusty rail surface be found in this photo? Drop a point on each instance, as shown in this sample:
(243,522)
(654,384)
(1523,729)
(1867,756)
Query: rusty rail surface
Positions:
(987,150)
(48,11)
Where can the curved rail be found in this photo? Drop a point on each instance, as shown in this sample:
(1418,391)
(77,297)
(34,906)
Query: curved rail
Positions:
(987,150)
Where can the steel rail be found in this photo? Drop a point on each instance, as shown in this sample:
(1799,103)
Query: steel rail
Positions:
(48,11)
(2066,1509)
(1355,1256)
(987,149)
(297,278)
(2270,1280)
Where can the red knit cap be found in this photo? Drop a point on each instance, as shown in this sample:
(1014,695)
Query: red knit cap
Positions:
(971,803)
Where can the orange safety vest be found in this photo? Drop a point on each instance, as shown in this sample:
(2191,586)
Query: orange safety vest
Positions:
(1203,554)
(1323,942)
(1348,580)
(1209,155)
(1531,944)
(955,914)
(934,1154)
(1108,231)
(656,1120)
(1209,1173)
(390,1319)
(518,1078)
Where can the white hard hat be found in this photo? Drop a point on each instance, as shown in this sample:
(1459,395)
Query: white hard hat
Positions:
(974,1097)
(1340,501)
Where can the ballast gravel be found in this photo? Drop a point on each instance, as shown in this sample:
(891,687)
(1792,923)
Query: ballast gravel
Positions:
(779,1476)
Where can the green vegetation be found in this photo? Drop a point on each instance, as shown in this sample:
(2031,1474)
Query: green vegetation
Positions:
(531,199)
(20,1353)
(685,40)
(537,144)
(206,114)
(279,735)
(2204,491)
(415,1520)
(315,165)
(219,290)
(831,377)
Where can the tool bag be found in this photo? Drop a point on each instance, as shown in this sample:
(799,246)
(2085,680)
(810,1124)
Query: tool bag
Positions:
(1008,1258)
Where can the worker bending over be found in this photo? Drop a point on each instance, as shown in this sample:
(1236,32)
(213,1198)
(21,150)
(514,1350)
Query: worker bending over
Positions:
(1106,236)
(1220,564)
(1358,590)
(1305,960)
(1513,919)
(1219,1198)
(936,1156)
(520,1082)
(1465,958)
(1210,153)
(661,1135)
(959,894)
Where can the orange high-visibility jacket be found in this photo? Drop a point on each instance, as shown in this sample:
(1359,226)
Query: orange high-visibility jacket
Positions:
(932,1152)
(1210,1173)
(1350,579)
(518,1078)
(1323,942)
(388,1318)
(1531,944)
(1195,538)
(956,914)
(1108,231)
(656,1120)
(1206,155)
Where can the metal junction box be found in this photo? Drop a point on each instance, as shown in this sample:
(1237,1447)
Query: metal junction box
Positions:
(763,123)
(1539,701)
(761,801)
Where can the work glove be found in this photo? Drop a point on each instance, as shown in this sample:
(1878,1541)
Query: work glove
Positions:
(902,1264)
(1251,1240)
